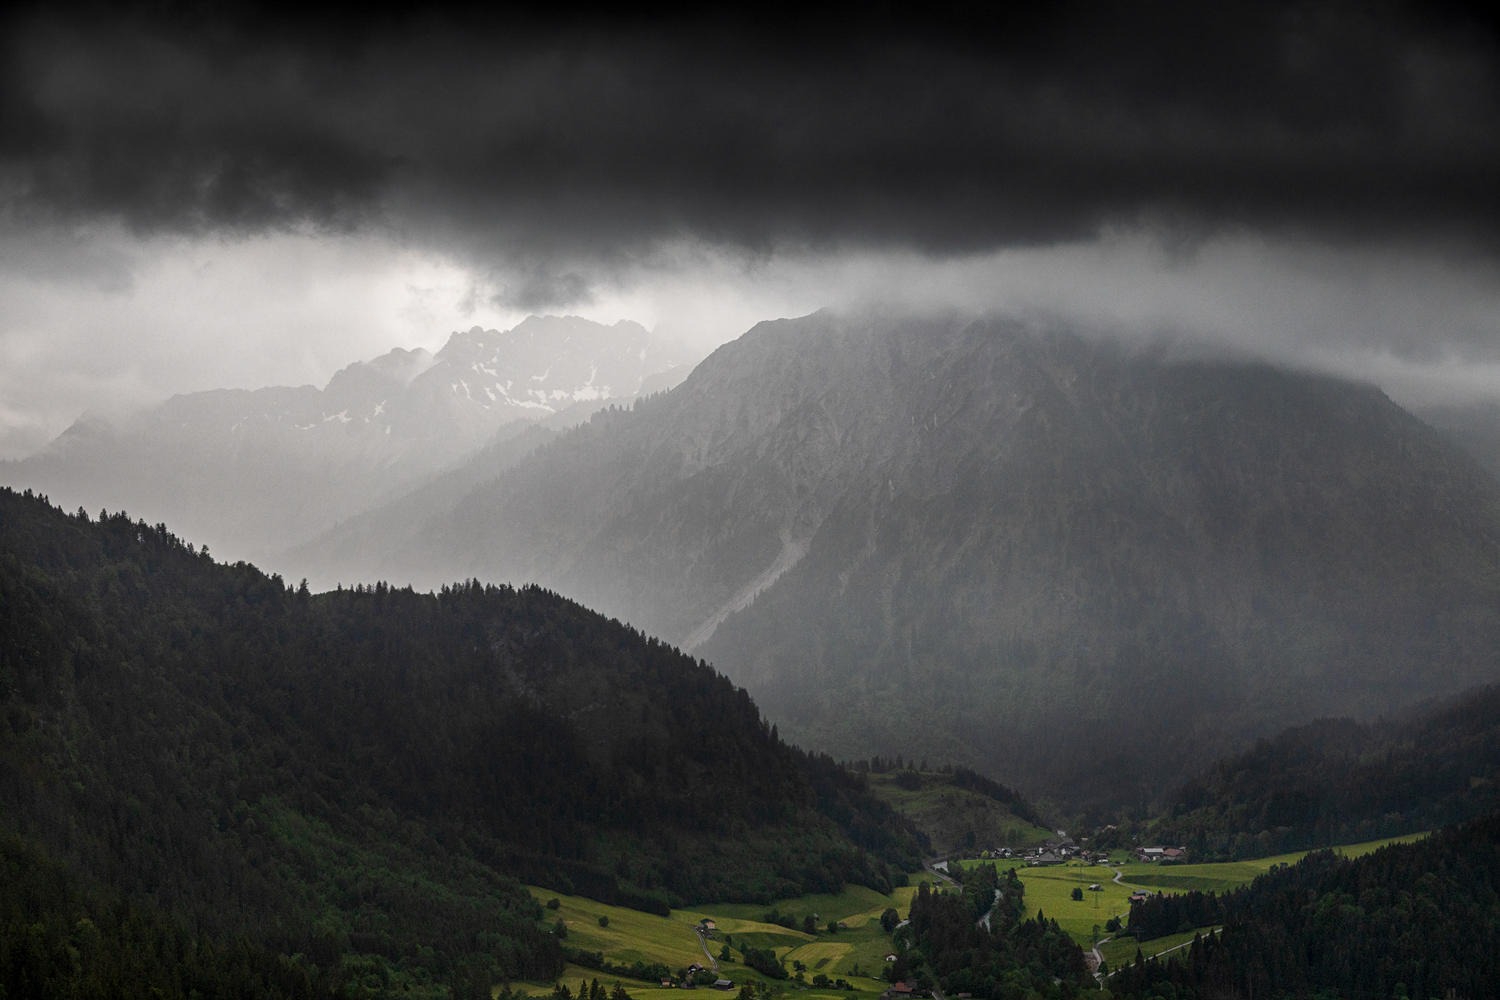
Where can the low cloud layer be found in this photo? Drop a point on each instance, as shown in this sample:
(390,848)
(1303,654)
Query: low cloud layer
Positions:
(193,199)
(591,142)
(134,321)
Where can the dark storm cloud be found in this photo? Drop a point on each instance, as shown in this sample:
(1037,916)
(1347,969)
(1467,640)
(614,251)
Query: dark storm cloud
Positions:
(602,139)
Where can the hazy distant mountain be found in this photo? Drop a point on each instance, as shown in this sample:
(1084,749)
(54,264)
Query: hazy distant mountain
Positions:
(1049,556)
(362,549)
(253,472)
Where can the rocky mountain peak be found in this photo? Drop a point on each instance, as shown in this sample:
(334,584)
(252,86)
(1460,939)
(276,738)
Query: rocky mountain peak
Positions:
(254,472)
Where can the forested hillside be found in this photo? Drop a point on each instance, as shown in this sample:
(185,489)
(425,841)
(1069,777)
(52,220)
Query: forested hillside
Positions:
(1413,920)
(958,808)
(371,772)
(1337,781)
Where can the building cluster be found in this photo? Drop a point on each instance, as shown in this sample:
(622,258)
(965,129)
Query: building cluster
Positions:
(690,981)
(1062,850)
(1057,852)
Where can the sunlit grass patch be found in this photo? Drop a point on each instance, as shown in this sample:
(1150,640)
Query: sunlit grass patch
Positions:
(1121,952)
(574,974)
(1229,875)
(631,935)
(826,952)
(855,899)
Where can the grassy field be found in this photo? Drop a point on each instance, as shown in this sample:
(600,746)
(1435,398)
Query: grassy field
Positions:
(631,935)
(1051,891)
(1231,875)
(854,905)
(856,954)
(573,974)
(950,815)
(1118,954)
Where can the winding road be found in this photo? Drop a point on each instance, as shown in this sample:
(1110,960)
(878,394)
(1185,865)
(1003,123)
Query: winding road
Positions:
(1099,955)
(927,864)
(713,963)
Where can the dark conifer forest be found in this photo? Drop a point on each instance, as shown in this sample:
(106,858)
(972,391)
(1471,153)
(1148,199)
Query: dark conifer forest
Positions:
(1338,781)
(1414,920)
(980,941)
(208,776)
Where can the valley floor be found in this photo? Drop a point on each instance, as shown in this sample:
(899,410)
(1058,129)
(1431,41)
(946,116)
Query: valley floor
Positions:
(857,953)
(1050,889)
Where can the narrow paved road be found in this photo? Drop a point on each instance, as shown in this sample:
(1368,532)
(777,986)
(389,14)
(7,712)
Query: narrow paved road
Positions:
(1099,955)
(927,865)
(713,963)
(1211,931)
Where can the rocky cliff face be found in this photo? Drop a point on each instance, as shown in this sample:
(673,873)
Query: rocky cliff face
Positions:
(253,472)
(1047,555)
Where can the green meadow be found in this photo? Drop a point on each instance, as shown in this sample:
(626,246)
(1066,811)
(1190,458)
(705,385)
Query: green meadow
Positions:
(956,817)
(856,954)
(1051,891)
(1118,954)
(1230,875)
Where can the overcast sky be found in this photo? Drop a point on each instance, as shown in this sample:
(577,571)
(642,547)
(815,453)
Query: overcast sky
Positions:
(191,200)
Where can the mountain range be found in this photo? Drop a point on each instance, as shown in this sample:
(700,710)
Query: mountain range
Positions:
(1081,566)
(251,473)
(1072,563)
